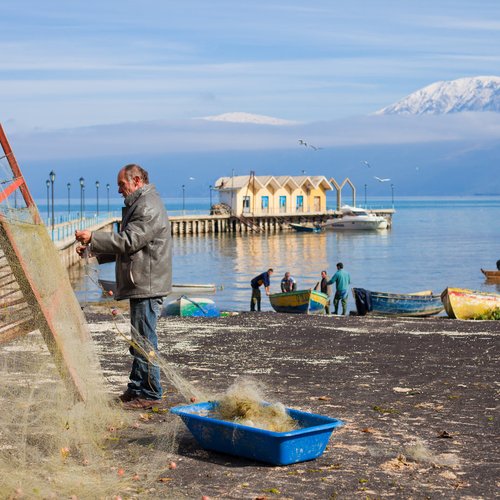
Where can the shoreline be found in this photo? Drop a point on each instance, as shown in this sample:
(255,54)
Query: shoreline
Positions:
(418,397)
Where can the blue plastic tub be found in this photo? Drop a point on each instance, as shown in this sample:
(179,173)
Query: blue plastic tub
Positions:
(278,448)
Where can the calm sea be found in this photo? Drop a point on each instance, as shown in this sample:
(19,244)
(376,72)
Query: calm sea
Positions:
(433,243)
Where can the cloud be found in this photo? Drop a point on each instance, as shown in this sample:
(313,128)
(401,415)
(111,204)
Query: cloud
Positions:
(175,136)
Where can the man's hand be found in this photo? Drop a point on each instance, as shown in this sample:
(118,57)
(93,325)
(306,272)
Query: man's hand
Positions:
(80,250)
(83,237)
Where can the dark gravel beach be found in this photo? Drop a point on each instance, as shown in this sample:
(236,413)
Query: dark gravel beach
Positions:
(418,397)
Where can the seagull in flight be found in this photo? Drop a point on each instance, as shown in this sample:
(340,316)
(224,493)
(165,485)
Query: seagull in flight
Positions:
(366,163)
(382,180)
(316,148)
(303,143)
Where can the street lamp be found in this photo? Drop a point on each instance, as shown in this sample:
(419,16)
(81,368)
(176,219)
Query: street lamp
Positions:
(365,195)
(183,198)
(47,183)
(82,187)
(69,203)
(392,195)
(107,187)
(52,177)
(97,196)
(210,187)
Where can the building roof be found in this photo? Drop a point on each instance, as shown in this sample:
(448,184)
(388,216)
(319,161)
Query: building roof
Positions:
(238,182)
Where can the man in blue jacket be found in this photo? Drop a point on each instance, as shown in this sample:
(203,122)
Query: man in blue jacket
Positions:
(256,283)
(342,280)
(142,251)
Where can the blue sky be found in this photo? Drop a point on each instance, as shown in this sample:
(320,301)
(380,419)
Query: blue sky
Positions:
(71,64)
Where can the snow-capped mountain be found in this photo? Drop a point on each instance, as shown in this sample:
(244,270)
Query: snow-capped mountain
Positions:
(248,118)
(480,93)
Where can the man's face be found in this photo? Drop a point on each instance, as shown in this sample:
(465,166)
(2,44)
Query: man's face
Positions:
(126,187)
(323,274)
(287,276)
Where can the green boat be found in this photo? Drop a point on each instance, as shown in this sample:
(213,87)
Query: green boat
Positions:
(191,307)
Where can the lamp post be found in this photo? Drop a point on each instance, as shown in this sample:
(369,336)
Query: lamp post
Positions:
(82,187)
(107,187)
(47,183)
(210,187)
(97,196)
(183,198)
(68,185)
(365,195)
(52,177)
(392,195)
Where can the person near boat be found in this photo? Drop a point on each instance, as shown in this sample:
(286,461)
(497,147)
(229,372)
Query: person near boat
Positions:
(288,284)
(256,283)
(342,280)
(323,287)
(498,265)
(142,251)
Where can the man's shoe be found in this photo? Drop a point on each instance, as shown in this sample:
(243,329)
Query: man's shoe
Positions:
(141,404)
(127,396)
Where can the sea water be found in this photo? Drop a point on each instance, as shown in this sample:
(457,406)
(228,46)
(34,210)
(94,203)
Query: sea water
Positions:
(433,243)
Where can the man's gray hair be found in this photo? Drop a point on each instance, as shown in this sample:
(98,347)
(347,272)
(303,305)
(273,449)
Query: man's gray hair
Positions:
(133,170)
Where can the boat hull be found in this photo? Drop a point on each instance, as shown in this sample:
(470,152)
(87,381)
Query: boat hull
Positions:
(177,289)
(191,307)
(299,302)
(491,275)
(461,303)
(305,229)
(399,304)
(357,224)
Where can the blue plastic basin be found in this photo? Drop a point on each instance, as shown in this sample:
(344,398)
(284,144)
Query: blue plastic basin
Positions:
(278,448)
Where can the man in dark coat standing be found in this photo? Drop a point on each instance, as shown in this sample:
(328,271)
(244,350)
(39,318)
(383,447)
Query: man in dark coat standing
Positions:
(142,250)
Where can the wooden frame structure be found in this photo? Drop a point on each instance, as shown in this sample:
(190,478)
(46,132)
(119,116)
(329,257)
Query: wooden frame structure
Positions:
(29,298)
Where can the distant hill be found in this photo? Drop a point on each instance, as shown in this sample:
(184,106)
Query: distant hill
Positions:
(481,93)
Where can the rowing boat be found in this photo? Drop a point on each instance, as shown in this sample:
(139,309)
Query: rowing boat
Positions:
(299,302)
(491,275)
(461,303)
(304,228)
(177,289)
(191,307)
(423,303)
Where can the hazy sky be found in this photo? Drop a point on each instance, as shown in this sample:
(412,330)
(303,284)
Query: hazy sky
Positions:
(71,63)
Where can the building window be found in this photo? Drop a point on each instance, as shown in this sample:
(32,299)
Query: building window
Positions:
(300,203)
(282,204)
(265,204)
(246,204)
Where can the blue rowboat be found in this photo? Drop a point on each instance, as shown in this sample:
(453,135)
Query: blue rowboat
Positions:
(302,228)
(397,304)
(299,302)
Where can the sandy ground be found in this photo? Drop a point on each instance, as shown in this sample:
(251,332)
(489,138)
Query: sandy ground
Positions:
(418,397)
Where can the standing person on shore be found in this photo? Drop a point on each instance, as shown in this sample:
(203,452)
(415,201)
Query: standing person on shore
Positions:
(288,284)
(256,283)
(325,288)
(142,250)
(342,280)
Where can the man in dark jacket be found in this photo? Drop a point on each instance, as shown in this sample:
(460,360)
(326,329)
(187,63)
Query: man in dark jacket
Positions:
(256,283)
(142,250)
(325,288)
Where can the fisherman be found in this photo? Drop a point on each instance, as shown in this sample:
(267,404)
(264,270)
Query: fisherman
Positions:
(325,288)
(288,284)
(341,279)
(256,283)
(142,250)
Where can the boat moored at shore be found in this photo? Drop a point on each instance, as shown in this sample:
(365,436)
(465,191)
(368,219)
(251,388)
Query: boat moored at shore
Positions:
(461,303)
(491,275)
(397,304)
(299,302)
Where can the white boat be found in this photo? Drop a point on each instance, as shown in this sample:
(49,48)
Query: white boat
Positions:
(177,289)
(357,218)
